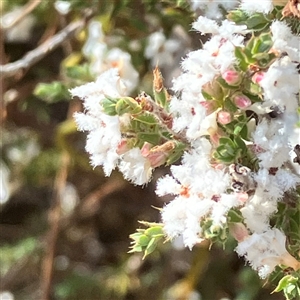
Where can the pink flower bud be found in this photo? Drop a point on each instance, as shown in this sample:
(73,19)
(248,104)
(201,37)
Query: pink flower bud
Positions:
(157,159)
(243,197)
(232,77)
(241,101)
(238,231)
(257,77)
(146,149)
(224,117)
(157,155)
(210,106)
(122,147)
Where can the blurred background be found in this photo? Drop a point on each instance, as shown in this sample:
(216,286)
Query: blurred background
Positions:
(64,226)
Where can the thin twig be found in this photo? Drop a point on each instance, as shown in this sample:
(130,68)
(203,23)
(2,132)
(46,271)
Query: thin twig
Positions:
(54,220)
(55,217)
(2,81)
(91,203)
(27,9)
(38,53)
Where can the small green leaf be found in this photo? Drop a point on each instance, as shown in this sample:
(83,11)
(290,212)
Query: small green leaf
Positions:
(144,240)
(226,141)
(266,43)
(52,92)
(234,216)
(146,118)
(152,138)
(79,72)
(157,230)
(285,282)
(176,154)
(127,105)
(237,16)
(229,106)
(256,20)
(206,96)
(151,247)
(109,106)
(242,58)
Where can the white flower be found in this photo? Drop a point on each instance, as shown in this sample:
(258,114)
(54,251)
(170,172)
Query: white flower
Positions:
(104,131)
(62,7)
(281,82)
(222,206)
(182,217)
(135,167)
(20,32)
(265,251)
(284,40)
(199,190)
(4,183)
(95,37)
(212,9)
(116,58)
(271,138)
(206,25)
(102,58)
(160,49)
(167,185)
(253,6)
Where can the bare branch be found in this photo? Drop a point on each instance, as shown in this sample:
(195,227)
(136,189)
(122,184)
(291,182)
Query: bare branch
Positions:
(41,51)
(54,220)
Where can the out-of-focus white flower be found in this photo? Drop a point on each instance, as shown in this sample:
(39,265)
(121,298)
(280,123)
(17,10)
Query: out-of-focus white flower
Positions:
(116,58)
(6,295)
(95,36)
(161,50)
(211,8)
(253,6)
(25,152)
(20,32)
(102,58)
(63,7)
(4,183)
(69,198)
(265,251)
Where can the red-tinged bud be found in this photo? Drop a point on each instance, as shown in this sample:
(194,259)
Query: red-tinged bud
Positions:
(242,101)
(243,197)
(157,155)
(210,106)
(257,77)
(157,159)
(238,231)
(224,117)
(232,77)
(122,147)
(146,149)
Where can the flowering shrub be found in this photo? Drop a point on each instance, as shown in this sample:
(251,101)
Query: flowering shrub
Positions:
(230,127)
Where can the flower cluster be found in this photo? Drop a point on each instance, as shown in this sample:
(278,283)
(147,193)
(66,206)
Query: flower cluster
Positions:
(103,58)
(232,121)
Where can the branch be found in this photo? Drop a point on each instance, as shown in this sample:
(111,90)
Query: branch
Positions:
(54,220)
(41,51)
